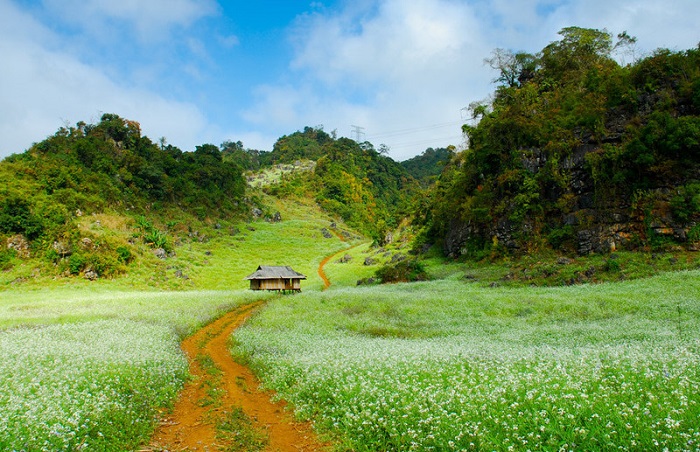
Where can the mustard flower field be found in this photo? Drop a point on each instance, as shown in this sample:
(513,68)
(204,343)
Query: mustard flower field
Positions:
(452,366)
(89,370)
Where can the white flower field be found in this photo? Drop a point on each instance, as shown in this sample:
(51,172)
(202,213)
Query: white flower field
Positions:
(85,370)
(441,365)
(450,366)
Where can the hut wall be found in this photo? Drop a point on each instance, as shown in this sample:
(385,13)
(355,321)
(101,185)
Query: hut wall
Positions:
(275,284)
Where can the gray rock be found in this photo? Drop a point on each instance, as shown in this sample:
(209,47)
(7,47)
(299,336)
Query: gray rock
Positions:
(398,257)
(62,248)
(20,244)
(344,259)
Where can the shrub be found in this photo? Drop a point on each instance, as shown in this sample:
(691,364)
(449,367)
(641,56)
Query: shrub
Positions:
(76,263)
(123,254)
(404,271)
(16,217)
(6,257)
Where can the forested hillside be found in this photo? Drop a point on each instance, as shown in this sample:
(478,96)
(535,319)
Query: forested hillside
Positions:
(106,167)
(369,190)
(576,152)
(427,166)
(152,194)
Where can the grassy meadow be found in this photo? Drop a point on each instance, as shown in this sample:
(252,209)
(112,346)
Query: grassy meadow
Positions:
(88,364)
(447,364)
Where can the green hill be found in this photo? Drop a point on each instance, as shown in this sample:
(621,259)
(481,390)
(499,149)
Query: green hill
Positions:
(368,190)
(427,166)
(576,153)
(101,200)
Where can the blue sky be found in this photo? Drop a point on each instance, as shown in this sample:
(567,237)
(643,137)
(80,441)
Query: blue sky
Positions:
(207,71)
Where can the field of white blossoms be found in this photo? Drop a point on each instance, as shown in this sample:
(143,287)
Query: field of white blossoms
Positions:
(87,370)
(449,365)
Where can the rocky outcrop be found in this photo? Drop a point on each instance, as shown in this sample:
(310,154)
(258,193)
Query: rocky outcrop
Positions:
(20,244)
(595,221)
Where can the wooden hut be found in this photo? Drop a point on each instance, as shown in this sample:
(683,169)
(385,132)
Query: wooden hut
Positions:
(279,278)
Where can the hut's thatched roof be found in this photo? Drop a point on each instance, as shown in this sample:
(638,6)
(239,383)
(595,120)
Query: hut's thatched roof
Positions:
(275,272)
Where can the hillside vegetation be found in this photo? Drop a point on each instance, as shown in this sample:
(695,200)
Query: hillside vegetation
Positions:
(81,201)
(100,200)
(577,153)
(353,181)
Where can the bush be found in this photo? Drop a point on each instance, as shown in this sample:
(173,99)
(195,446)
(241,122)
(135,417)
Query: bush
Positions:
(558,237)
(404,271)
(76,263)
(6,257)
(16,218)
(686,203)
(123,254)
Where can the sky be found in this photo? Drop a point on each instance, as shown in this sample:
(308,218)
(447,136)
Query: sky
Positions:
(397,73)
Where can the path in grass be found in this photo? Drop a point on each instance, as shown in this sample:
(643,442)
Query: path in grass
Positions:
(322,274)
(221,407)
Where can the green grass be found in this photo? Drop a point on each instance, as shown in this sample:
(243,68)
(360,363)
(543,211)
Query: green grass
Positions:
(451,365)
(482,357)
(550,269)
(237,430)
(87,364)
(90,368)
(205,257)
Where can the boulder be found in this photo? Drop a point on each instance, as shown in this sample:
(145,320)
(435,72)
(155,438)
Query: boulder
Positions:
(62,247)
(20,244)
(345,259)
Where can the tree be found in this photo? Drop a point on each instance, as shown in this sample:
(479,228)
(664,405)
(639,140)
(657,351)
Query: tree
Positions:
(578,49)
(514,68)
(625,46)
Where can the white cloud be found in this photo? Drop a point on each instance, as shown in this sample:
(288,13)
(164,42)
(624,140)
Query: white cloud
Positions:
(656,24)
(406,66)
(393,65)
(150,19)
(43,89)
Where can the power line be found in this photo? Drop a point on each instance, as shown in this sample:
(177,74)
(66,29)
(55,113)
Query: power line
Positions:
(415,129)
(426,141)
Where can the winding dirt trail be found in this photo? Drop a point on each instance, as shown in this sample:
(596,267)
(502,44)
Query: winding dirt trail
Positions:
(322,273)
(221,387)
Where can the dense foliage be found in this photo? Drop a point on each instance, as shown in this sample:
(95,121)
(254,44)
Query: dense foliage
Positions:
(369,190)
(106,166)
(427,166)
(574,142)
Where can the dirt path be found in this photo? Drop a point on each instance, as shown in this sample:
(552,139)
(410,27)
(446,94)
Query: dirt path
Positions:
(220,389)
(322,274)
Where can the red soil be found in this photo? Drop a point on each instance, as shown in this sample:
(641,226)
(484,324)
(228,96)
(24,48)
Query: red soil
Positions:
(191,427)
